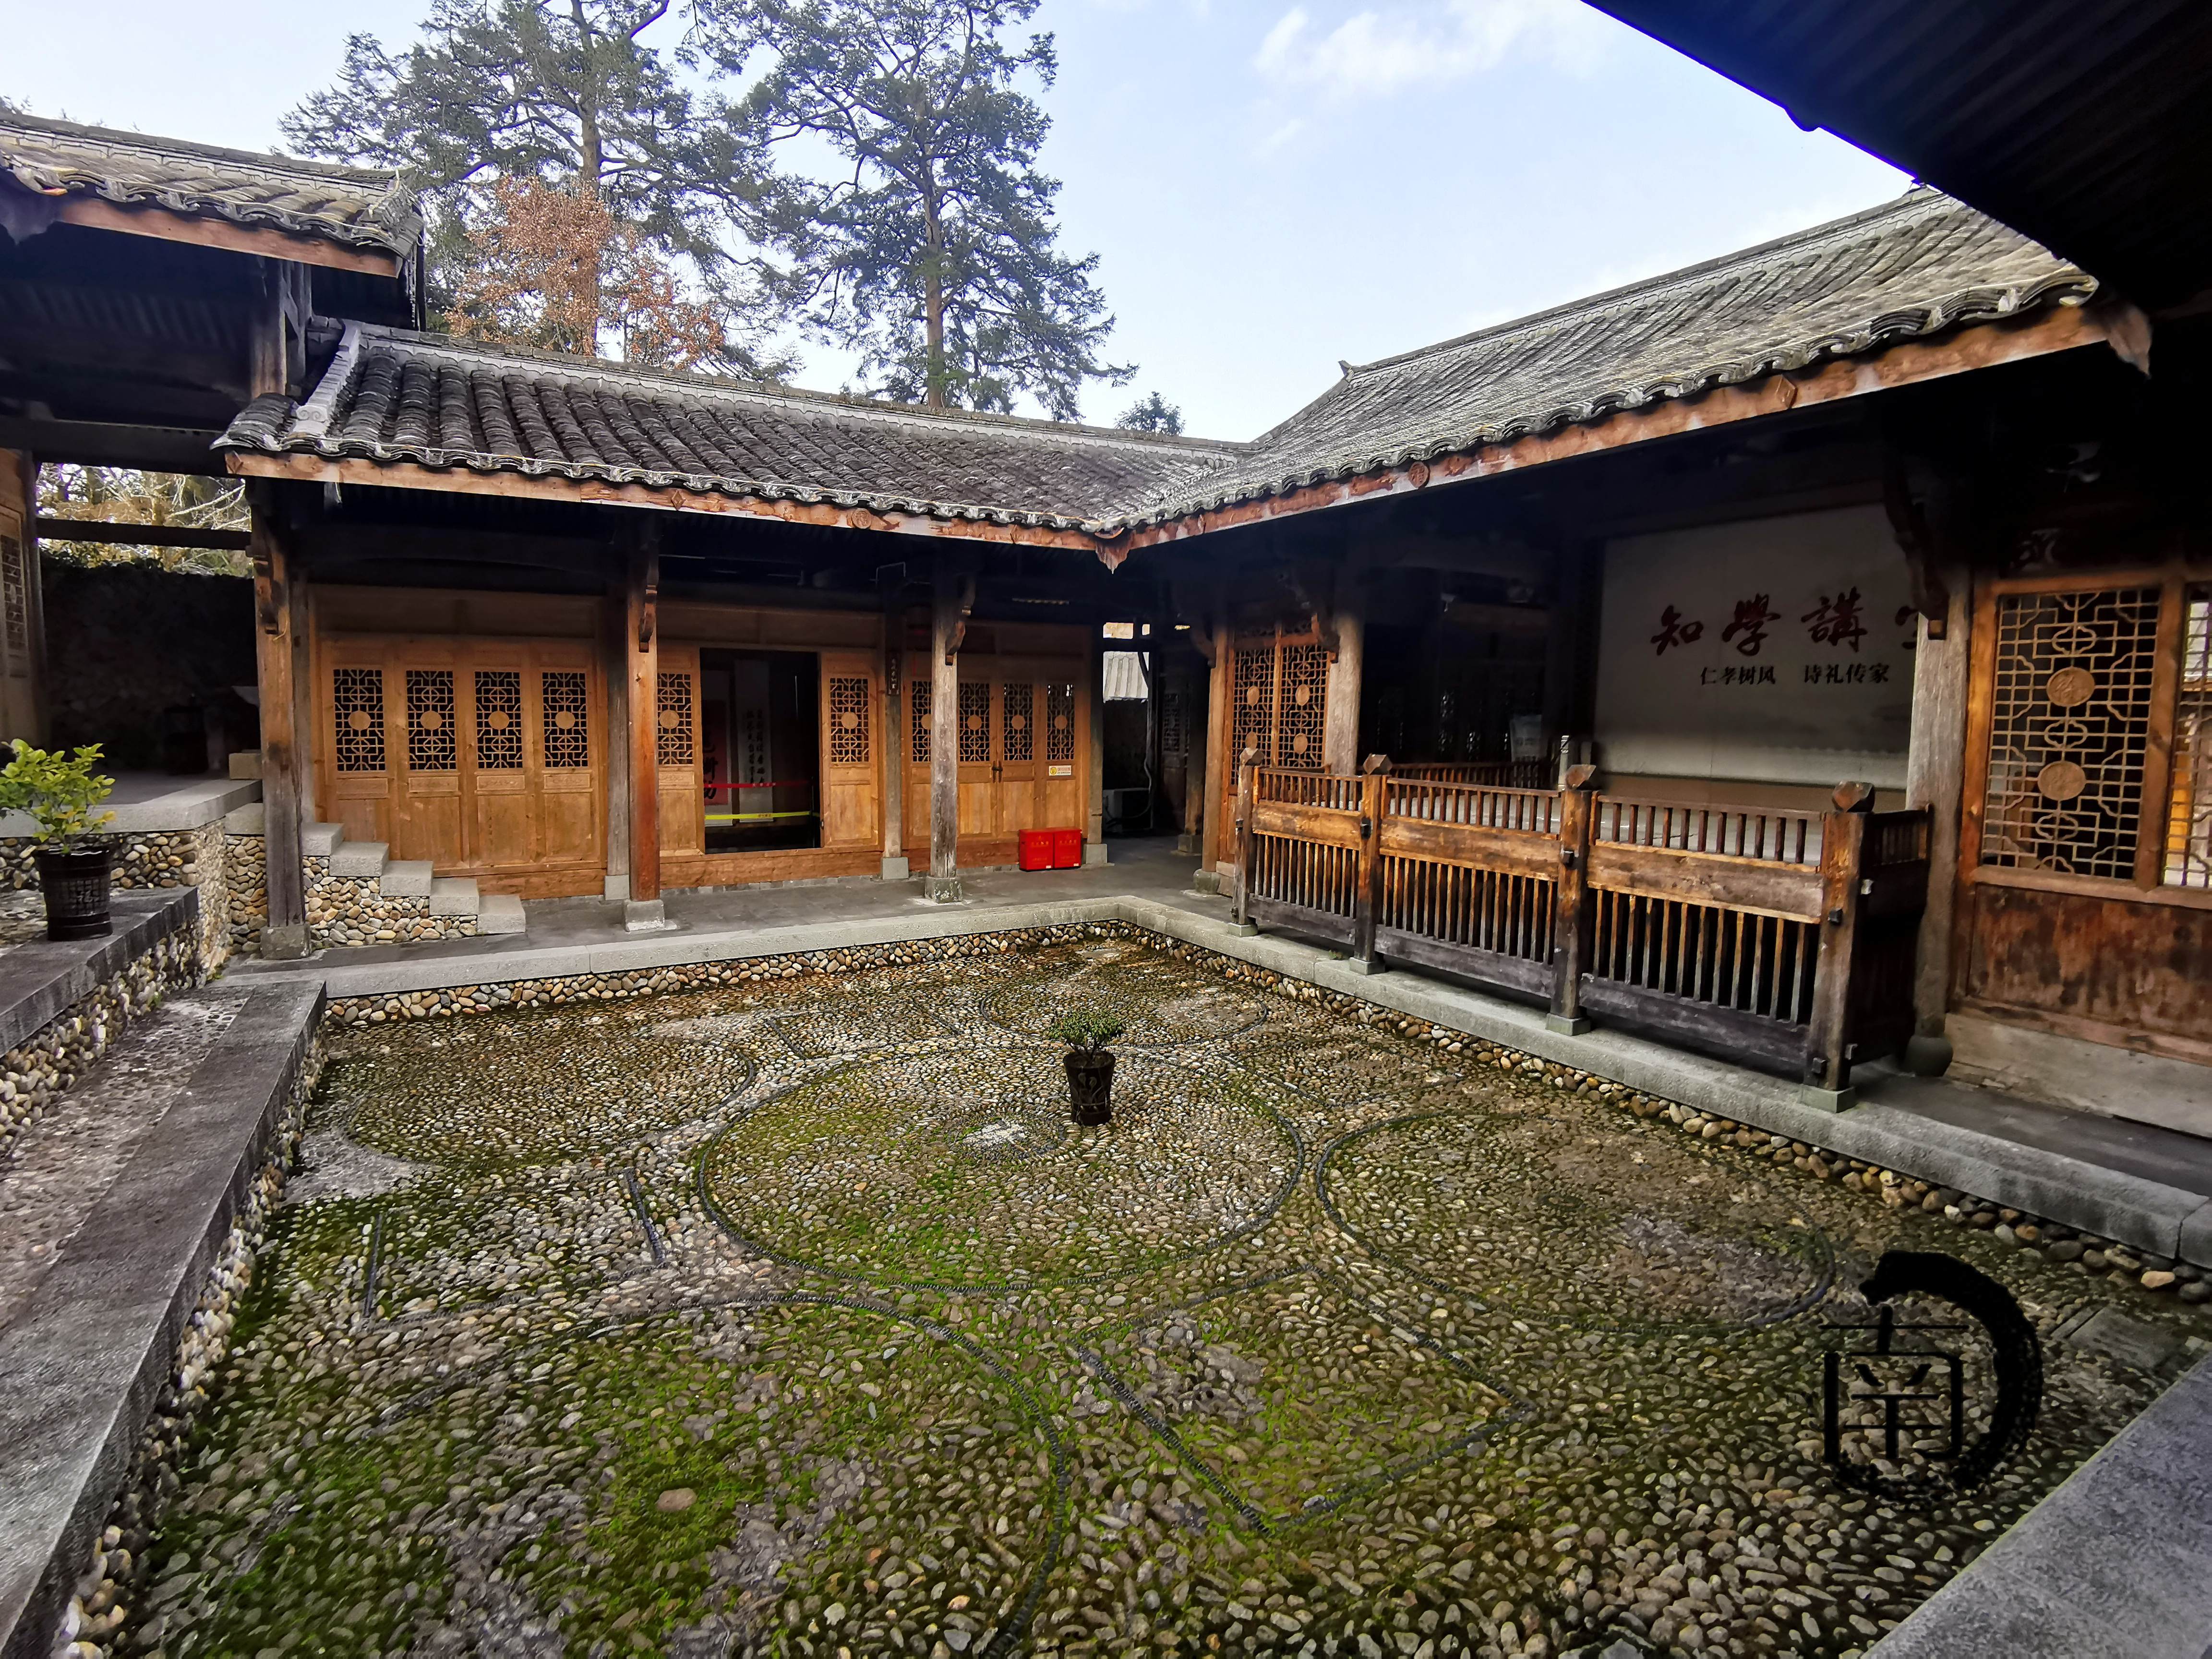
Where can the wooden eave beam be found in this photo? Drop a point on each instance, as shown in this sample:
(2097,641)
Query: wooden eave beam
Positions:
(407,475)
(111,533)
(2063,328)
(94,214)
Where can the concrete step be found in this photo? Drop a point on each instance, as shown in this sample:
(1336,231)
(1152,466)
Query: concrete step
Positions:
(359,858)
(452,895)
(501,913)
(404,878)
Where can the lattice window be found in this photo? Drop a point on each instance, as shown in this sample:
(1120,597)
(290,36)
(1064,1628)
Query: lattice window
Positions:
(430,745)
(1016,721)
(848,722)
(1253,723)
(16,600)
(752,747)
(498,719)
(568,737)
(672,746)
(1301,707)
(357,700)
(974,721)
(1060,721)
(1174,724)
(2068,730)
(2189,832)
(917,721)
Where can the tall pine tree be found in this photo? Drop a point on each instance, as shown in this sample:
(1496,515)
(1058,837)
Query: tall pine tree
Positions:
(567,93)
(934,251)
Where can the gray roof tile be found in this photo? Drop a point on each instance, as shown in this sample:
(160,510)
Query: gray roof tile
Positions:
(1910,268)
(354,207)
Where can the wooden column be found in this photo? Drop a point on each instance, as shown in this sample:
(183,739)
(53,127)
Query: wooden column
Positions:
(303,684)
(1935,774)
(1213,846)
(952,593)
(1339,739)
(641,641)
(1374,803)
(1574,908)
(284,936)
(893,727)
(1240,910)
(1094,815)
(618,631)
(1828,1040)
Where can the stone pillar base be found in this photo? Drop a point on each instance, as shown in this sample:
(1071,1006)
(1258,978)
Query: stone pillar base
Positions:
(1369,966)
(286,943)
(1567,1025)
(644,915)
(941,890)
(1828,1100)
(615,890)
(1206,881)
(1094,852)
(897,870)
(1243,929)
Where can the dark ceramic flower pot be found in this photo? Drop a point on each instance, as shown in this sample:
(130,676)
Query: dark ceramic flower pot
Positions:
(76,885)
(1090,1086)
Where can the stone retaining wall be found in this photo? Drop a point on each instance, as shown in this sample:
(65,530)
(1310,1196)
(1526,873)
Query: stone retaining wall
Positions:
(246,872)
(150,860)
(55,1055)
(354,910)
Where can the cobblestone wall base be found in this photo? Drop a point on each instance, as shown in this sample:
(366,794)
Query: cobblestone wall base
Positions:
(147,860)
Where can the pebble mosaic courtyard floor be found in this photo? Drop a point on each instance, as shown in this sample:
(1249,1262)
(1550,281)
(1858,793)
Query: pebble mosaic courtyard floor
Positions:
(797,1319)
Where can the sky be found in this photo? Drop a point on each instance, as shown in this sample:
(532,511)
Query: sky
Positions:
(1271,188)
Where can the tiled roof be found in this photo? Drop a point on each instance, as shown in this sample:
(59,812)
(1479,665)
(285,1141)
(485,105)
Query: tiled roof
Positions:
(352,206)
(390,395)
(1912,267)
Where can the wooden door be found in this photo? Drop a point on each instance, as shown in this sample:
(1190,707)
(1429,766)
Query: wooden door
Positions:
(1066,775)
(480,755)
(851,777)
(978,770)
(1279,697)
(676,737)
(1020,808)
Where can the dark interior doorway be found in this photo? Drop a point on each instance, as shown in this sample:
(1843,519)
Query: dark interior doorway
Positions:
(762,749)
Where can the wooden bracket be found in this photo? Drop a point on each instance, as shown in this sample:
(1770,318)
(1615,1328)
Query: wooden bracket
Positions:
(649,611)
(1930,596)
(958,636)
(1323,615)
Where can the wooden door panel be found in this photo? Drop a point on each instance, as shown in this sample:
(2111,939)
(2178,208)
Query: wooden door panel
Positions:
(567,745)
(850,770)
(683,793)
(496,768)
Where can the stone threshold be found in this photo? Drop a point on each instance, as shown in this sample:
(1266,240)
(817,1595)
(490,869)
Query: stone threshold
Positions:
(2161,1217)
(87,1359)
(41,979)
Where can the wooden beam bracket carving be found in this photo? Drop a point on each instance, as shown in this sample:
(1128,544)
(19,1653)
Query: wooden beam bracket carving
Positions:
(1917,538)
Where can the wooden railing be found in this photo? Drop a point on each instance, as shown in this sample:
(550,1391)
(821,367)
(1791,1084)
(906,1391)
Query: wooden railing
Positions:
(1508,775)
(1787,937)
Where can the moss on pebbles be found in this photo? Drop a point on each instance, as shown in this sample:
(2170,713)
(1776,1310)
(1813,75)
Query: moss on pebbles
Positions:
(793,1317)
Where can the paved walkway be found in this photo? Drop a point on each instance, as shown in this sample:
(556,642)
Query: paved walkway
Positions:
(2148,1186)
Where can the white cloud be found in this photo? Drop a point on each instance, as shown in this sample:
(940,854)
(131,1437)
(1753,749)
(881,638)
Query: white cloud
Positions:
(1376,52)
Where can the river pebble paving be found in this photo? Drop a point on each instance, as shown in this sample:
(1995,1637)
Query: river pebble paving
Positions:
(796,1318)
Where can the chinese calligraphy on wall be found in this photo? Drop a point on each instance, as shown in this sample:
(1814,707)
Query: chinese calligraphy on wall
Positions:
(1777,649)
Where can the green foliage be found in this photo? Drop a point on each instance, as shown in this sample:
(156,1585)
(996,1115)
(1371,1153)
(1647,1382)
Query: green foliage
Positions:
(567,93)
(1153,413)
(58,790)
(1089,1028)
(932,251)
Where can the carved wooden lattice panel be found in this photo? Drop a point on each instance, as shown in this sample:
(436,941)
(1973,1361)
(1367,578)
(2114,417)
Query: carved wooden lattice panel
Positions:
(568,737)
(1060,721)
(2189,833)
(1174,723)
(430,746)
(1017,721)
(848,722)
(498,719)
(672,744)
(974,721)
(918,719)
(2070,725)
(1253,724)
(14,585)
(357,700)
(1302,706)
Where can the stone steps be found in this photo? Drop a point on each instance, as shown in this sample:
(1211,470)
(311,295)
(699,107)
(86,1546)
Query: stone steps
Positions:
(454,903)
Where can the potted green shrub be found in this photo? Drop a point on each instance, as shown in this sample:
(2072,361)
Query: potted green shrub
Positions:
(57,792)
(1086,1031)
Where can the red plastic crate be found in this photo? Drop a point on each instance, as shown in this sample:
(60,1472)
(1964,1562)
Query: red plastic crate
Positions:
(1067,849)
(1037,849)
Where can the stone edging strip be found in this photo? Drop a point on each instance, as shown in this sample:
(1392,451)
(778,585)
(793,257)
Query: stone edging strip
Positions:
(189,806)
(2164,1220)
(2111,1564)
(83,1367)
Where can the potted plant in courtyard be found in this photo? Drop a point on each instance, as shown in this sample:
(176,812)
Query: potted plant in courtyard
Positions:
(57,792)
(1086,1031)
